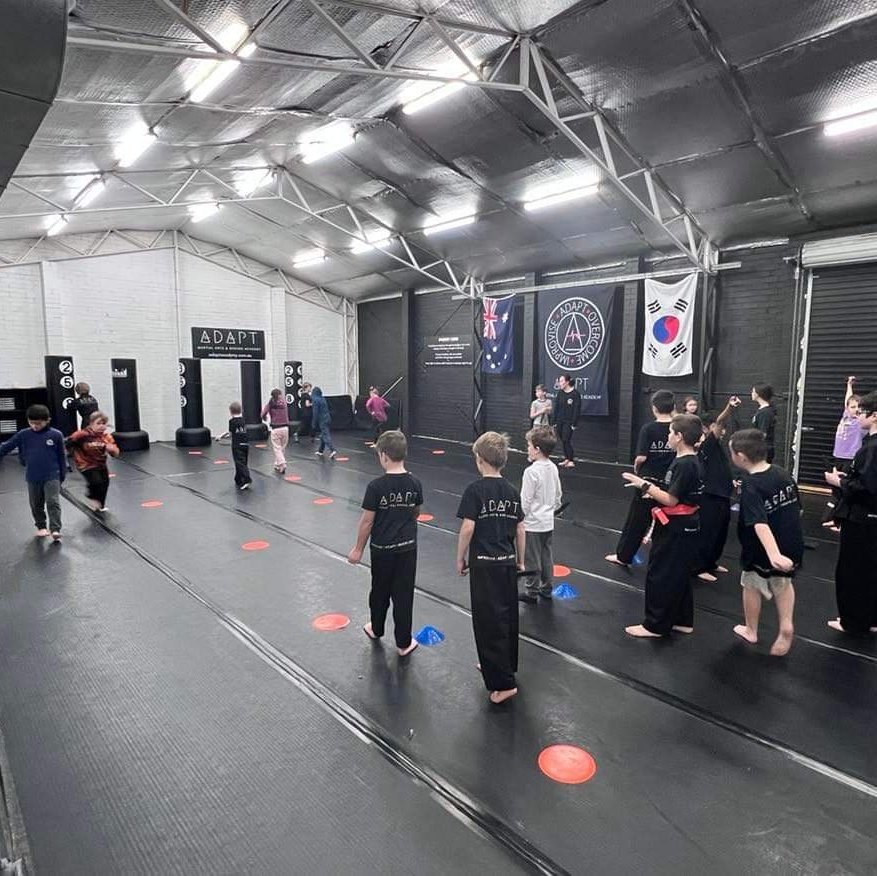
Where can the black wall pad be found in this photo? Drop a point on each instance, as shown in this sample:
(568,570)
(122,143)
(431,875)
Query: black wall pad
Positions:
(193,432)
(292,387)
(341,409)
(59,385)
(251,400)
(126,405)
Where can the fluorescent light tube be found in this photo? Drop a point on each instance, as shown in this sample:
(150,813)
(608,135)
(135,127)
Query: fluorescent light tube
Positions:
(199,212)
(560,197)
(54,224)
(251,181)
(378,240)
(308,257)
(137,141)
(327,141)
(447,224)
(90,192)
(851,123)
(435,96)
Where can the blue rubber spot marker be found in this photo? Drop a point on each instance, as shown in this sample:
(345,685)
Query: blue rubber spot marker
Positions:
(430,636)
(565,591)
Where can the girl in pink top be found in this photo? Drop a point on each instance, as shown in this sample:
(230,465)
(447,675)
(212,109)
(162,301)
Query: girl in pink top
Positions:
(278,421)
(847,441)
(377,406)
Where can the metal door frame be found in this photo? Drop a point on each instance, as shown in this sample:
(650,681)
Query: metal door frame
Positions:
(802,377)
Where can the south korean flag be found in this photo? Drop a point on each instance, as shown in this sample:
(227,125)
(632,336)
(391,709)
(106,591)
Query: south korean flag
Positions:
(669,322)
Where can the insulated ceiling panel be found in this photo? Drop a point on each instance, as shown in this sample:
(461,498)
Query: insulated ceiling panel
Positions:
(819,162)
(777,218)
(850,205)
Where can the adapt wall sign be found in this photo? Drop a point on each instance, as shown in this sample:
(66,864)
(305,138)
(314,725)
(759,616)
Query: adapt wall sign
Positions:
(227,343)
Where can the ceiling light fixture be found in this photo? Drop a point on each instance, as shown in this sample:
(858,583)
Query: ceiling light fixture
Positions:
(199,212)
(447,224)
(217,74)
(851,123)
(561,191)
(436,95)
(377,240)
(90,192)
(54,224)
(327,141)
(134,144)
(309,257)
(251,181)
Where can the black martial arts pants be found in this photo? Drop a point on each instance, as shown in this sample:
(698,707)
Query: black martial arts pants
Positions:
(856,577)
(565,433)
(241,455)
(98,480)
(639,519)
(715,518)
(494,593)
(393,577)
(669,595)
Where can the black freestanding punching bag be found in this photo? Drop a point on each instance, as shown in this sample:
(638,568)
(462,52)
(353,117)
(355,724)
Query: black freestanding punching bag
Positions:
(251,399)
(59,383)
(193,432)
(292,387)
(126,404)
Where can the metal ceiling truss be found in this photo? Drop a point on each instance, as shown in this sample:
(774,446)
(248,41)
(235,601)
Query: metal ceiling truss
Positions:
(617,163)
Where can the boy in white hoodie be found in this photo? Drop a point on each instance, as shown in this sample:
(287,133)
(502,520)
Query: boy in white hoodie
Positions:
(541,495)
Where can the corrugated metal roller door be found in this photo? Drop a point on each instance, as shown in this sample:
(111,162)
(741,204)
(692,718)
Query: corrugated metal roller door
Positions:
(842,341)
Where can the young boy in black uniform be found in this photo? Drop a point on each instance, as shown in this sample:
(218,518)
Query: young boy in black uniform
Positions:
(856,512)
(718,485)
(765,418)
(653,458)
(390,509)
(491,544)
(669,596)
(306,414)
(771,540)
(240,446)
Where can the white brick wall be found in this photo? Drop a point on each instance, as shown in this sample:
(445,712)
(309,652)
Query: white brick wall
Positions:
(316,337)
(125,306)
(22,328)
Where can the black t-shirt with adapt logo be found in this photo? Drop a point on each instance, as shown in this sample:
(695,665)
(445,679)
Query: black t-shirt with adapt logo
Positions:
(394,498)
(652,444)
(684,479)
(495,506)
(766,420)
(769,497)
(717,479)
(237,428)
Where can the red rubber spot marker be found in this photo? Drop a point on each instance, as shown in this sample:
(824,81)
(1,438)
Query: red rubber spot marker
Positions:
(342,459)
(425,518)
(111,475)
(195,453)
(324,501)
(567,764)
(293,479)
(561,571)
(254,545)
(327,623)
(438,453)
(261,446)
(152,503)
(220,462)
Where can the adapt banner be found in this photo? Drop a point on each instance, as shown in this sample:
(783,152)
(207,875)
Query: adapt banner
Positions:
(574,331)
(227,343)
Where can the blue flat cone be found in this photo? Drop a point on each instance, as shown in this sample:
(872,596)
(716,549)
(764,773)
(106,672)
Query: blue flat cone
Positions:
(638,558)
(430,636)
(565,591)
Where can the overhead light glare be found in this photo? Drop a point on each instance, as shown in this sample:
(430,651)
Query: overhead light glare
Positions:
(378,240)
(560,198)
(55,224)
(251,181)
(309,257)
(436,95)
(134,144)
(852,123)
(91,191)
(447,224)
(327,141)
(200,212)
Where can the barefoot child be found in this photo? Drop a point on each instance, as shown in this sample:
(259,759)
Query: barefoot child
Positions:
(567,407)
(377,407)
(771,540)
(45,468)
(389,516)
(541,496)
(540,408)
(90,448)
(653,458)
(669,597)
(240,446)
(490,545)
(856,512)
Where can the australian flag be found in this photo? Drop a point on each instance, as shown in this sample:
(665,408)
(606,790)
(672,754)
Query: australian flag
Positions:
(498,341)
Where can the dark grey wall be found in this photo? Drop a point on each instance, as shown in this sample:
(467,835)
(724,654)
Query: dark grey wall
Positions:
(379,326)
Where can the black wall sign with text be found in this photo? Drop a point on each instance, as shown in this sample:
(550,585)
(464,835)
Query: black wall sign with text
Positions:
(447,350)
(575,326)
(227,343)
(60,383)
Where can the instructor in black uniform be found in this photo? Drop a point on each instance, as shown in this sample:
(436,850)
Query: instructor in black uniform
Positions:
(567,407)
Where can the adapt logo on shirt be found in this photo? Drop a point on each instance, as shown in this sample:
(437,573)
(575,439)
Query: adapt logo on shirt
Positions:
(785,497)
(50,442)
(398,500)
(660,447)
(499,508)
